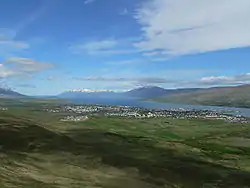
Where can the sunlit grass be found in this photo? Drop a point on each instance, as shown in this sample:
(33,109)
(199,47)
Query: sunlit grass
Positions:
(37,150)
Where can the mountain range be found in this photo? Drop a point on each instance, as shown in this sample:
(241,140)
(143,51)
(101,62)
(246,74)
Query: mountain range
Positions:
(140,93)
(8,93)
(237,96)
(149,92)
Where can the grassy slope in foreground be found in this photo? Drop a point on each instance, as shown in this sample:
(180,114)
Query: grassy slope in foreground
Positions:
(37,150)
(225,96)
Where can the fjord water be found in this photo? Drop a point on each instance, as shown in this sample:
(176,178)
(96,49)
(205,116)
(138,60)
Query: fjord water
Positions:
(132,102)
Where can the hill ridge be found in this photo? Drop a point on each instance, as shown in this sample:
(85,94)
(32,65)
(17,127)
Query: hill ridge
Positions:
(235,96)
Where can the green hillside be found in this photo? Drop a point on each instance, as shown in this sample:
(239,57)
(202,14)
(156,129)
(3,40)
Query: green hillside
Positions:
(225,96)
(38,150)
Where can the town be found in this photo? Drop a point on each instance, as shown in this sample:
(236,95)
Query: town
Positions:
(82,112)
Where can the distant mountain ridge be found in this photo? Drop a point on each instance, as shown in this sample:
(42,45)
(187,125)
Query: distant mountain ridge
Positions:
(139,93)
(8,93)
(86,93)
(149,92)
(235,96)
(146,92)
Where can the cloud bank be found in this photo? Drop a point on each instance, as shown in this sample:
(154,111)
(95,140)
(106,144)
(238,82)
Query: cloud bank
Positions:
(161,81)
(225,80)
(146,80)
(29,65)
(180,27)
(18,66)
(8,44)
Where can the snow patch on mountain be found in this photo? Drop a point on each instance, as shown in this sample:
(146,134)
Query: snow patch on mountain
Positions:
(88,91)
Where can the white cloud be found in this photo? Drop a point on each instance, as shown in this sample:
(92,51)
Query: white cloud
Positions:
(134,80)
(51,78)
(22,67)
(126,62)
(99,45)
(124,12)
(106,47)
(163,81)
(179,27)
(225,80)
(216,79)
(94,47)
(30,86)
(7,42)
(89,1)
(210,81)
(14,44)
(29,65)
(5,72)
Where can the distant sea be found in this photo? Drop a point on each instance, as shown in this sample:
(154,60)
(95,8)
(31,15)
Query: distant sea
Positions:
(156,105)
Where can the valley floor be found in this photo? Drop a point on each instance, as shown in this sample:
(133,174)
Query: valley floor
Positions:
(38,150)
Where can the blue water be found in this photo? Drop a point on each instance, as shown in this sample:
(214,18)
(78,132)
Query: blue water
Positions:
(166,106)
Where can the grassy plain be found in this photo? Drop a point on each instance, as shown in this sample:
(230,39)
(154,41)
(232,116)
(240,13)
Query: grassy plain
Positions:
(38,150)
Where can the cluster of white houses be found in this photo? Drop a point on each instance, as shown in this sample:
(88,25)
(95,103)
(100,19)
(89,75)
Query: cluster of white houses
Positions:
(84,111)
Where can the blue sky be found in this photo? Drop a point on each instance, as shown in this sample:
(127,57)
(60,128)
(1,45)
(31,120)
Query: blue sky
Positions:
(50,46)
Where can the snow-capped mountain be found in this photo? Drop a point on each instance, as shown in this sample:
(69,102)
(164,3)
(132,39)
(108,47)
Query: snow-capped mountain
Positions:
(88,91)
(142,92)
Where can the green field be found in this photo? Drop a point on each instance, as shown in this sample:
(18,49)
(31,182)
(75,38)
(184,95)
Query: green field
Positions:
(37,150)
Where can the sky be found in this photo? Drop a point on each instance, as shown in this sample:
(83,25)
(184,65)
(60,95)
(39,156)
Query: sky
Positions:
(51,46)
